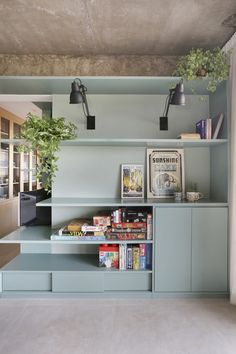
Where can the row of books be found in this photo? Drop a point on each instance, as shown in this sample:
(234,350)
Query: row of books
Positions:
(206,129)
(100,228)
(125,256)
(130,225)
(137,257)
(128,215)
(210,128)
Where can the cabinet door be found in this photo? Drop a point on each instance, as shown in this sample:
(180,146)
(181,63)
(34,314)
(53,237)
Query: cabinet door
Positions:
(173,249)
(209,249)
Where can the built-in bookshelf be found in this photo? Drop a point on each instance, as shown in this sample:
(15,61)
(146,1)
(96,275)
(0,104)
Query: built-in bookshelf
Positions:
(190,239)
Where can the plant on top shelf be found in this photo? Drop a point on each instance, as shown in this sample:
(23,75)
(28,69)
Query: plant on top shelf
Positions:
(178,193)
(44,135)
(200,63)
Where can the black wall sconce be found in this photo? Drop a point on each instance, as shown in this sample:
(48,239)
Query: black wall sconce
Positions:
(78,95)
(176,97)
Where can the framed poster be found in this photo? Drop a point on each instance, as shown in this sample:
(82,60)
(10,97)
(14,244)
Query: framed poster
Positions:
(132,181)
(165,172)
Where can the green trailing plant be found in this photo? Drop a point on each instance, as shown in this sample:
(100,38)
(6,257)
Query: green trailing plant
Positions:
(199,63)
(44,135)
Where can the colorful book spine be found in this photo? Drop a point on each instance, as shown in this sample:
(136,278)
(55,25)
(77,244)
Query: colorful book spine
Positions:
(208,128)
(142,260)
(126,236)
(136,258)
(129,257)
(70,233)
(148,256)
(88,228)
(122,256)
(129,225)
(77,238)
(128,230)
(149,227)
(200,128)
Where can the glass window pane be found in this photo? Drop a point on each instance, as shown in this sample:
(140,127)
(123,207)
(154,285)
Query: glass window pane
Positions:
(5,128)
(4,171)
(16,131)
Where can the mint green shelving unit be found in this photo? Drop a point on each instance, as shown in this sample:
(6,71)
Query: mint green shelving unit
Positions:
(190,240)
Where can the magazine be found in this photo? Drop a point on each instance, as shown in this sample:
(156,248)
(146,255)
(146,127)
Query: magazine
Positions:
(165,172)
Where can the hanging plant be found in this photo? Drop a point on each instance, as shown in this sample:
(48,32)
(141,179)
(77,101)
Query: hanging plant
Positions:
(44,135)
(199,63)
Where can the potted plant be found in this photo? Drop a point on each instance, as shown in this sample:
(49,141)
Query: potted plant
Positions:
(44,135)
(199,63)
(178,193)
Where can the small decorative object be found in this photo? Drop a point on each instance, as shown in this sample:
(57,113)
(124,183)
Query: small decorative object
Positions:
(178,193)
(132,181)
(193,196)
(165,171)
(200,63)
(44,135)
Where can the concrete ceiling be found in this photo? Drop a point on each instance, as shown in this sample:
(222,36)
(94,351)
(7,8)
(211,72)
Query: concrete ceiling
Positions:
(110,27)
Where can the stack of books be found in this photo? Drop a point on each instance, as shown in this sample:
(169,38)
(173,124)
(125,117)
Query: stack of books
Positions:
(133,226)
(80,229)
(128,231)
(122,224)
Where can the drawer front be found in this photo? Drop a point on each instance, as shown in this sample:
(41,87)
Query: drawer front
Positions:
(128,282)
(77,282)
(20,281)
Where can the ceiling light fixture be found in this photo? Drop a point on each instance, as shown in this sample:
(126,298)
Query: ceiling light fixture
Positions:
(78,95)
(176,97)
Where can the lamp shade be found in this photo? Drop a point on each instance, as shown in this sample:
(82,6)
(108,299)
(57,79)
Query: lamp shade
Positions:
(178,96)
(76,95)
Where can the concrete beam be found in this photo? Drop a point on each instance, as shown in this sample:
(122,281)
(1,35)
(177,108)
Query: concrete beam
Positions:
(60,65)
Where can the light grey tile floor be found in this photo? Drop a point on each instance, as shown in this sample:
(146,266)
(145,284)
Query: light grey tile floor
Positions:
(110,326)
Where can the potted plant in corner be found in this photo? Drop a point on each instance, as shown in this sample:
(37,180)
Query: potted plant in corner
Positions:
(44,135)
(200,63)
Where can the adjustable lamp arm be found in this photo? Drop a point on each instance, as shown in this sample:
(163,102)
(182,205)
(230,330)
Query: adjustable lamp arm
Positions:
(165,113)
(83,91)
